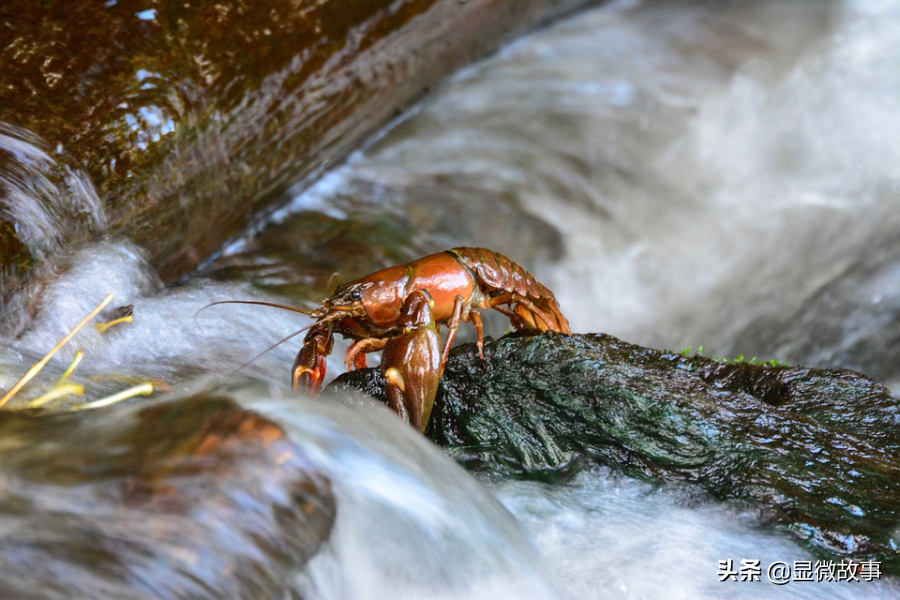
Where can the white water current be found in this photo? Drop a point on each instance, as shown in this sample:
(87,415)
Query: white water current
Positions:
(679,174)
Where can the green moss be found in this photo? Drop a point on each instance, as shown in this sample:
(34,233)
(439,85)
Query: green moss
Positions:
(741,359)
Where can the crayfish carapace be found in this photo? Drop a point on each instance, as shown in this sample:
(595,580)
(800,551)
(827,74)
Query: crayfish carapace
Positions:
(399,309)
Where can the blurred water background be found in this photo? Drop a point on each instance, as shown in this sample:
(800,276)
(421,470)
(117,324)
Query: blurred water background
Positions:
(680,174)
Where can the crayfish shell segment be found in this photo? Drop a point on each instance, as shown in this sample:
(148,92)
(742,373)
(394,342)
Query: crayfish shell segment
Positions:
(499,274)
(483,262)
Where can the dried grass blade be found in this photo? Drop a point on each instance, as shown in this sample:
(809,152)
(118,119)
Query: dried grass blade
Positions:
(58,392)
(41,363)
(144,389)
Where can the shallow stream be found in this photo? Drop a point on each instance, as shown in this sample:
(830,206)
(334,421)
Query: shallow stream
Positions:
(680,174)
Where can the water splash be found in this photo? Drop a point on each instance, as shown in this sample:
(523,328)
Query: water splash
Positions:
(411,523)
(47,200)
(166,341)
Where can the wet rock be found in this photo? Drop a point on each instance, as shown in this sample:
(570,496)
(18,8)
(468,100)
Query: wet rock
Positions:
(813,451)
(16,258)
(190,118)
(195,498)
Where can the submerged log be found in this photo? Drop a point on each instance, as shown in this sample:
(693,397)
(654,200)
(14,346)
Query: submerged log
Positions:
(195,498)
(814,451)
(191,118)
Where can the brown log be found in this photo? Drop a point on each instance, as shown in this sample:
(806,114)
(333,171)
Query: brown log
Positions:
(192,118)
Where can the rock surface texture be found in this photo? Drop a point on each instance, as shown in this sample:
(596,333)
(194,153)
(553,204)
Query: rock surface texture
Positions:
(195,498)
(815,452)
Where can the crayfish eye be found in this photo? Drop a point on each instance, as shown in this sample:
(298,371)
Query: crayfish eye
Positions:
(355,295)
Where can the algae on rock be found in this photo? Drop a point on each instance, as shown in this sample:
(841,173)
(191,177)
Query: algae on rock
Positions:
(814,451)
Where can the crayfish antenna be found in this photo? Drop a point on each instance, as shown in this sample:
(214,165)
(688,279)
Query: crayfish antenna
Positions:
(279,342)
(286,338)
(302,311)
(309,313)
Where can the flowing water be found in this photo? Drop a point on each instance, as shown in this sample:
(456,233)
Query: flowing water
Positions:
(678,173)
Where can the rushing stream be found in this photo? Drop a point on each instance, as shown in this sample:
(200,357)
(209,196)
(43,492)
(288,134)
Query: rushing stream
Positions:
(679,174)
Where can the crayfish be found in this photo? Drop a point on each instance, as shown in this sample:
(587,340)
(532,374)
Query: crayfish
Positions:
(398,310)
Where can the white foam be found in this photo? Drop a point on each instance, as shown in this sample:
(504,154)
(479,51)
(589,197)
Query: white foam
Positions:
(613,537)
(165,341)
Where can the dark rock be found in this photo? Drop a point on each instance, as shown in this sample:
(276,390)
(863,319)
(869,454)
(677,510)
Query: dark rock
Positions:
(195,498)
(16,258)
(814,451)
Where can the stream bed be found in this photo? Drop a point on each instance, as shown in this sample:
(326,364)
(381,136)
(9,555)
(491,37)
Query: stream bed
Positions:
(679,174)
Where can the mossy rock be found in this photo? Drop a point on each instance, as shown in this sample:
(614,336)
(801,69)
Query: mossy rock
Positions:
(814,451)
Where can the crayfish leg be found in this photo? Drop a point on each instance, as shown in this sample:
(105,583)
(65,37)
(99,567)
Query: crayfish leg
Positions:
(479,331)
(452,326)
(517,322)
(356,353)
(524,314)
(531,311)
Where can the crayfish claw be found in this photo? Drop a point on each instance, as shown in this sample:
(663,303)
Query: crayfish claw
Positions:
(411,362)
(396,393)
(307,380)
(308,370)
